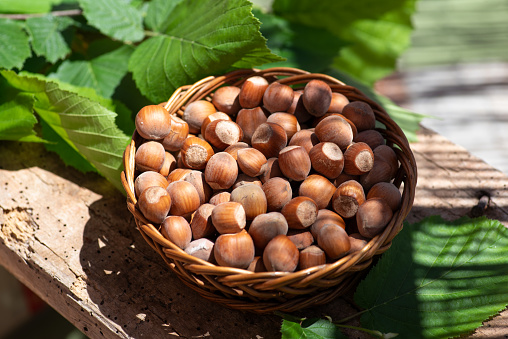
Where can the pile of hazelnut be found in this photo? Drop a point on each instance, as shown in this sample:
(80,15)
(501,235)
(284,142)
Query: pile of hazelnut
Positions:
(264,177)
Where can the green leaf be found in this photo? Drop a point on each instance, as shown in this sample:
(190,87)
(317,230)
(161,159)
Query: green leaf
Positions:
(310,328)
(305,47)
(47,39)
(17,119)
(82,124)
(27,6)
(195,41)
(14,45)
(439,279)
(115,18)
(158,12)
(69,155)
(102,73)
(377,31)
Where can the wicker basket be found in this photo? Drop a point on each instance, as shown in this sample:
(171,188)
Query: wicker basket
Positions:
(275,291)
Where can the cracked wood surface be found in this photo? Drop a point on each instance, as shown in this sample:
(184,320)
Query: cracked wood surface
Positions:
(69,237)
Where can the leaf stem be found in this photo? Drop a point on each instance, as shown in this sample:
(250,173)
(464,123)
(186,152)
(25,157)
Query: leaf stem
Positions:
(70,12)
(343,320)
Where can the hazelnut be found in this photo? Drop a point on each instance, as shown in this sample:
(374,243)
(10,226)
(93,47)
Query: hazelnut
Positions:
(152,122)
(388,192)
(155,203)
(305,138)
(281,254)
(371,137)
(197,179)
(358,159)
(347,198)
(278,97)
(229,217)
(252,199)
(184,198)
(178,174)
(338,102)
(221,171)
(357,241)
(278,192)
(148,179)
(270,170)
(225,99)
(177,230)
(196,112)
(294,162)
(317,96)
(301,238)
(387,154)
(372,217)
(257,265)
(252,91)
(343,177)
(223,133)
(195,153)
(298,109)
(244,179)
(250,161)
(149,156)
(312,256)
(267,226)
(233,149)
(335,129)
(361,114)
(169,164)
(178,133)
(300,212)
(220,197)
(318,188)
(287,121)
(234,249)
(249,120)
(210,118)
(269,139)
(201,248)
(334,241)
(381,172)
(201,224)
(327,159)
(324,217)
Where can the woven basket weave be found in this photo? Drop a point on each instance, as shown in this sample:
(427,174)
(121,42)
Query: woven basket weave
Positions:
(274,291)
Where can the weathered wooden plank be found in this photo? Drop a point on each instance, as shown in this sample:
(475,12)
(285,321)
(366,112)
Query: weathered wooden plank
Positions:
(69,237)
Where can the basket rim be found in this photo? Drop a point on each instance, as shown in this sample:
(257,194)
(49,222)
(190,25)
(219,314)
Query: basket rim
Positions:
(264,282)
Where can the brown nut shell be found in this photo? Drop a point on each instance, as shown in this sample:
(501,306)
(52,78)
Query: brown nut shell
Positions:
(358,159)
(177,230)
(201,248)
(249,119)
(270,170)
(288,121)
(195,153)
(278,193)
(317,96)
(184,198)
(152,122)
(312,256)
(252,91)
(327,159)
(388,192)
(229,217)
(294,162)
(149,156)
(361,114)
(267,226)
(234,249)
(177,135)
(210,118)
(281,254)
(371,137)
(347,198)
(300,212)
(221,171)
(223,133)
(372,217)
(155,203)
(335,129)
(148,179)
(305,138)
(250,161)
(278,97)
(338,102)
(269,139)
(318,188)
(324,217)
(252,198)
(334,241)
(220,197)
(196,112)
(225,99)
(201,224)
